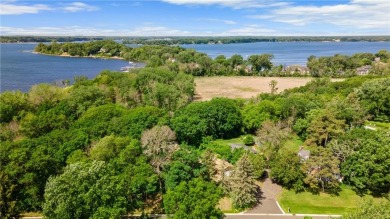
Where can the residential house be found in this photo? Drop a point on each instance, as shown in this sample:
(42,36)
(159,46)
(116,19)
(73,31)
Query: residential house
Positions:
(303,154)
(302,70)
(364,70)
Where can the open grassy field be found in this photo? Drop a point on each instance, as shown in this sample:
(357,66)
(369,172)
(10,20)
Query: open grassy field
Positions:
(307,203)
(241,86)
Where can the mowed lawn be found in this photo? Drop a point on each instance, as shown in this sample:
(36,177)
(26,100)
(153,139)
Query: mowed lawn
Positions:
(307,203)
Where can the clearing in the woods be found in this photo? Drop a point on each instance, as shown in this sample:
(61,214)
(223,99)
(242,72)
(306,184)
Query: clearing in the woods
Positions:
(242,86)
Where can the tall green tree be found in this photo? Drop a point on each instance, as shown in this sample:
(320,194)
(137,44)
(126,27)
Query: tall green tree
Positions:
(85,190)
(185,166)
(324,127)
(368,169)
(285,169)
(261,62)
(273,134)
(12,104)
(253,115)
(196,199)
(322,170)
(219,118)
(243,189)
(375,95)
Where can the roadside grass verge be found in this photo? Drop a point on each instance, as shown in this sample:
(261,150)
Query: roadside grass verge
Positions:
(308,203)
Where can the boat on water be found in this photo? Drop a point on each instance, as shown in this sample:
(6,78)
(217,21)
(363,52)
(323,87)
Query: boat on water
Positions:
(127,68)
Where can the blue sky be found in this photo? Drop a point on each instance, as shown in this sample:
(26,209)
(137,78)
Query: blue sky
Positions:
(195,18)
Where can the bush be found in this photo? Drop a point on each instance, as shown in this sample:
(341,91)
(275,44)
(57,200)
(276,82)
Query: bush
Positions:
(249,140)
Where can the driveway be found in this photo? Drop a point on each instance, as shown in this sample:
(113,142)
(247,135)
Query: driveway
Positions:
(267,201)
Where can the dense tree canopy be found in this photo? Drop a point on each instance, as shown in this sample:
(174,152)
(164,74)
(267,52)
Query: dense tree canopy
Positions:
(368,169)
(219,118)
(85,190)
(194,199)
(136,142)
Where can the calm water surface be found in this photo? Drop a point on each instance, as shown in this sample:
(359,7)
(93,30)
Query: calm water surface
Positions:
(287,53)
(20,68)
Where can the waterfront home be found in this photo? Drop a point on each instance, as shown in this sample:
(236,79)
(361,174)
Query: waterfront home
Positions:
(302,70)
(364,70)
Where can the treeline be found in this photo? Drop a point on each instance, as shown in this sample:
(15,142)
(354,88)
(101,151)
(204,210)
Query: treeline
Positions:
(43,39)
(191,62)
(230,40)
(343,65)
(99,48)
(192,40)
(126,142)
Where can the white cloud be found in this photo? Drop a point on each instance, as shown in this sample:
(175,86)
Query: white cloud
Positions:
(229,22)
(87,31)
(236,4)
(79,6)
(7,8)
(360,14)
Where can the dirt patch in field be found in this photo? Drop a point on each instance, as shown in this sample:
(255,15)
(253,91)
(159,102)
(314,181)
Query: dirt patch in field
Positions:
(241,87)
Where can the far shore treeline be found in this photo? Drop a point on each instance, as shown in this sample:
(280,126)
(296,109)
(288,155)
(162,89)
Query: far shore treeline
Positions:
(189,61)
(171,40)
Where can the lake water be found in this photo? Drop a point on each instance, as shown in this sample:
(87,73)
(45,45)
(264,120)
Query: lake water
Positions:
(287,53)
(20,68)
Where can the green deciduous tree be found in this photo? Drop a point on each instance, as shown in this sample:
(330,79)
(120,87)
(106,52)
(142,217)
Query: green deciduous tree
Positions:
(44,96)
(196,199)
(108,147)
(218,118)
(258,162)
(254,115)
(83,97)
(375,95)
(273,134)
(12,104)
(369,209)
(286,170)
(85,190)
(133,122)
(322,170)
(261,62)
(368,169)
(185,166)
(96,120)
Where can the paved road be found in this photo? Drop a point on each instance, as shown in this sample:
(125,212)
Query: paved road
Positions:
(253,216)
(275,216)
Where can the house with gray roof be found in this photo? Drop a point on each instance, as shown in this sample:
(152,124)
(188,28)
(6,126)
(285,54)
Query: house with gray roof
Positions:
(303,154)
